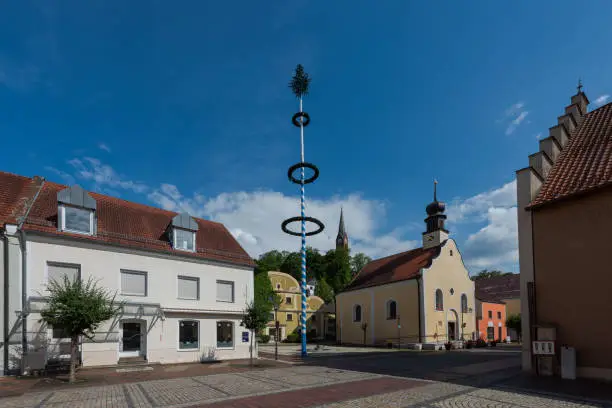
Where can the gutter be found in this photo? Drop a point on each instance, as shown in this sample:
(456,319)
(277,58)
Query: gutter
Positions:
(24,280)
(420,305)
(5,292)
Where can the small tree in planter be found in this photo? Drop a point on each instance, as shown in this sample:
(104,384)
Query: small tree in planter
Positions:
(255,319)
(78,308)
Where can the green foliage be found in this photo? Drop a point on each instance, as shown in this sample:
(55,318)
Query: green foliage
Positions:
(264,338)
(293,338)
(332,270)
(358,261)
(315,264)
(485,274)
(270,261)
(77,307)
(264,294)
(324,291)
(514,322)
(292,264)
(338,268)
(300,82)
(255,317)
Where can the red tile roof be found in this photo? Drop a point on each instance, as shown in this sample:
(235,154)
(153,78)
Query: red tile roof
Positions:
(120,222)
(14,192)
(394,268)
(499,287)
(586,161)
(486,297)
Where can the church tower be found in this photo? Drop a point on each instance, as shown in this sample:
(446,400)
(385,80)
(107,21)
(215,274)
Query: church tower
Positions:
(436,233)
(342,240)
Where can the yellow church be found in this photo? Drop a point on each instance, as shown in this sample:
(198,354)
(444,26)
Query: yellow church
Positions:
(290,308)
(423,297)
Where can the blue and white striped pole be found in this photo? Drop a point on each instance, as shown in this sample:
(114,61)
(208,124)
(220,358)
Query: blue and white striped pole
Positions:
(303,208)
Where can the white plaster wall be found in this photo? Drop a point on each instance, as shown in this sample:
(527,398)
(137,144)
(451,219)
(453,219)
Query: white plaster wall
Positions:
(104,264)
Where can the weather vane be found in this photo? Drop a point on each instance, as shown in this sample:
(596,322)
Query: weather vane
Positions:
(299,86)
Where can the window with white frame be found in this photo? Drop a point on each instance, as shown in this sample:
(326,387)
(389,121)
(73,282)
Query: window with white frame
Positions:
(184,240)
(288,300)
(289,317)
(57,271)
(80,220)
(133,283)
(225,334)
(225,291)
(188,288)
(189,335)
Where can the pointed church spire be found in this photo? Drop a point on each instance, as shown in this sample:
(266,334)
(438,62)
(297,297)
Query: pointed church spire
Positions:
(342,238)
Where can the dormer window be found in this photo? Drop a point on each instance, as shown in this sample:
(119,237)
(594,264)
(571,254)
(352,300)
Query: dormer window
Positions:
(77,220)
(76,211)
(184,240)
(183,233)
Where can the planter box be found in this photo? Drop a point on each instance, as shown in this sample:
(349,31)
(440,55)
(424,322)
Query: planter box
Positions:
(417,346)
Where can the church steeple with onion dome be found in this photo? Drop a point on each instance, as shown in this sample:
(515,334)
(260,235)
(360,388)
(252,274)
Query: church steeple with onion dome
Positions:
(435,233)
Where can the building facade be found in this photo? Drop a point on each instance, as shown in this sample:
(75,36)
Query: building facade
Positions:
(504,290)
(184,281)
(287,288)
(564,219)
(424,295)
(491,319)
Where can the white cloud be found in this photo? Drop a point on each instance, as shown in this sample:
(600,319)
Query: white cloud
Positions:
(513,117)
(255,218)
(601,100)
(104,147)
(538,136)
(495,244)
(474,209)
(67,178)
(103,175)
(516,122)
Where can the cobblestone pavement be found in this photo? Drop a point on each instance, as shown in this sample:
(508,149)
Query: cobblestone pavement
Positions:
(459,382)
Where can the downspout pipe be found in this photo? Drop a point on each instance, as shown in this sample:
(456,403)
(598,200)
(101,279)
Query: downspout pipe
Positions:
(5,334)
(24,280)
(420,306)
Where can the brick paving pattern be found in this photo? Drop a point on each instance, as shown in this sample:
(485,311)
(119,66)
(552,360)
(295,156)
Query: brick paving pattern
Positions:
(444,380)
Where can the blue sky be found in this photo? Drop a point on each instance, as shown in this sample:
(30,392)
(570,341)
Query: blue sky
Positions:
(185,106)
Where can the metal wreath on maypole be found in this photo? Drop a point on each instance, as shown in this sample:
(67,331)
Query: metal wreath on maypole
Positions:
(299,85)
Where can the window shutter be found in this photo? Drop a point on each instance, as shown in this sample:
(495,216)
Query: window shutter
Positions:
(225,291)
(57,272)
(133,283)
(188,288)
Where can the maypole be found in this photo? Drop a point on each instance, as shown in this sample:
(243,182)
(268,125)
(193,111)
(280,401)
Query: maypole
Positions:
(299,86)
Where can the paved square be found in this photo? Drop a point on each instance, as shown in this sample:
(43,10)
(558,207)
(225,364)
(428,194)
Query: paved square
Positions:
(402,379)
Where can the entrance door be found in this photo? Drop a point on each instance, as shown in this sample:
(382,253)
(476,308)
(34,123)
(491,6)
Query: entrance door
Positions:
(131,340)
(451,330)
(499,335)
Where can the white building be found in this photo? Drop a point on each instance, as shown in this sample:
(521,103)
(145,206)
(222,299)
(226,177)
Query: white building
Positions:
(185,281)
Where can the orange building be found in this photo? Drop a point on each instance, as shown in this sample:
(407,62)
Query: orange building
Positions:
(490,318)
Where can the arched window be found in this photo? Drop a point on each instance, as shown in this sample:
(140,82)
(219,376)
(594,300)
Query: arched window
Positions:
(357,313)
(464,304)
(439,300)
(391,310)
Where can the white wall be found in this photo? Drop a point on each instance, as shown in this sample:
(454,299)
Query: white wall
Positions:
(104,263)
